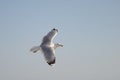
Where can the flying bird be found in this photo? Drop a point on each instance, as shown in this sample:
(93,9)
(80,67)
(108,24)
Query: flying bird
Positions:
(47,47)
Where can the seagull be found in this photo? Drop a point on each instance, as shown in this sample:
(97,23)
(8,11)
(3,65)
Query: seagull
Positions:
(47,47)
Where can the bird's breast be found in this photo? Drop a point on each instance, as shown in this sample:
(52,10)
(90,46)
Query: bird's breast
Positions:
(52,45)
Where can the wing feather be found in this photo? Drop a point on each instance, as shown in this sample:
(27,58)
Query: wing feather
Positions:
(49,37)
(49,54)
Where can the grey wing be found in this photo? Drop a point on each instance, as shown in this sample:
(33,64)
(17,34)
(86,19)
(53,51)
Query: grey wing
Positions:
(48,38)
(49,55)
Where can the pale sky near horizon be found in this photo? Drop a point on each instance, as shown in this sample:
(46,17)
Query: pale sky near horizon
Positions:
(88,29)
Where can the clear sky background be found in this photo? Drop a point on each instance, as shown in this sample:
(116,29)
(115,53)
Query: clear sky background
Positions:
(88,29)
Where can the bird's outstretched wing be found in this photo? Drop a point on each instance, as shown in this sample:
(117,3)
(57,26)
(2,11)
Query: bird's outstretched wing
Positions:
(49,54)
(50,36)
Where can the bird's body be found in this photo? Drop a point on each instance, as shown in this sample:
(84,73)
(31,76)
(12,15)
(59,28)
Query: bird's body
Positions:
(48,47)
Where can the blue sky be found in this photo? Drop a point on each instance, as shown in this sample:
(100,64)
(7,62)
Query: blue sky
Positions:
(88,29)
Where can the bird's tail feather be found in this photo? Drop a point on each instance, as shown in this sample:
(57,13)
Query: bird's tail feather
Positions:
(35,49)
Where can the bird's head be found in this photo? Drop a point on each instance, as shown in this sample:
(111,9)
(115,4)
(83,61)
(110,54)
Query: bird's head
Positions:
(59,45)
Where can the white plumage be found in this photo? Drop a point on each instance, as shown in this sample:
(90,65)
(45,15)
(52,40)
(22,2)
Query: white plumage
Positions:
(48,47)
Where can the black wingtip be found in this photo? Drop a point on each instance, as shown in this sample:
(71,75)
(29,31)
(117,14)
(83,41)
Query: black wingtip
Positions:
(53,28)
(52,62)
